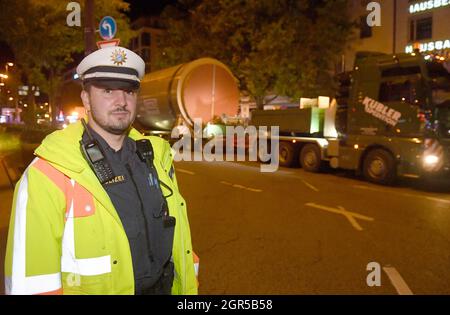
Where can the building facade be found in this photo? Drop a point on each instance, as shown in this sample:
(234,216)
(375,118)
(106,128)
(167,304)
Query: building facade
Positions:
(405,25)
(145,44)
(369,38)
(424,25)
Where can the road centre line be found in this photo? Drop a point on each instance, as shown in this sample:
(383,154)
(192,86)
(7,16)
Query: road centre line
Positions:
(438,199)
(397,281)
(254,189)
(293,175)
(185,171)
(384,190)
(240,186)
(402,193)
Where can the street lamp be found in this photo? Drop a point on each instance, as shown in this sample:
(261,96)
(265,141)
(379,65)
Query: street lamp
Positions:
(4,76)
(7,65)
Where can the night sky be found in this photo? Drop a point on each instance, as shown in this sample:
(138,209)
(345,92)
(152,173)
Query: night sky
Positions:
(6,54)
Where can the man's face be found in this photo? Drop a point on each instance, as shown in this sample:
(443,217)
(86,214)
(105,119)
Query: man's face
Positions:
(112,110)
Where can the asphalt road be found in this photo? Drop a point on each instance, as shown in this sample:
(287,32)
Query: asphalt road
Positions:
(293,232)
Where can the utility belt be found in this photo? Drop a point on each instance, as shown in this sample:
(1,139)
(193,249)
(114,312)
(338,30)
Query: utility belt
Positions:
(163,286)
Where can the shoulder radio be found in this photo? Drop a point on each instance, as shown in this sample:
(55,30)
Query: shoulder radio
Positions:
(96,158)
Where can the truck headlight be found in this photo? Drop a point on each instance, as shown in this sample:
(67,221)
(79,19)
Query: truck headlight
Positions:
(430,160)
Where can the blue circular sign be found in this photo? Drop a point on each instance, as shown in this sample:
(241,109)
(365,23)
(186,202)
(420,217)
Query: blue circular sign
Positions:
(108,28)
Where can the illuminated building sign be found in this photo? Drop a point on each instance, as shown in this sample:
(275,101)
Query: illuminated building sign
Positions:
(427,5)
(424,47)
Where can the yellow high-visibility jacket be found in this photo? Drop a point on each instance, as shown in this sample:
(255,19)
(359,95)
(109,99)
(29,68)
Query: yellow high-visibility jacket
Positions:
(65,236)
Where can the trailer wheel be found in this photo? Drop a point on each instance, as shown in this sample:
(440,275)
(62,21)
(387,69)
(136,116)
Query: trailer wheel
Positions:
(379,167)
(310,158)
(288,153)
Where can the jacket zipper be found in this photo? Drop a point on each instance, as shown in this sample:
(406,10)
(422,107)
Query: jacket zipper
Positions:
(183,247)
(149,247)
(183,273)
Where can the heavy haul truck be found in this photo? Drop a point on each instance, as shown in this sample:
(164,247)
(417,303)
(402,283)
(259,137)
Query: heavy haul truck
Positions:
(390,117)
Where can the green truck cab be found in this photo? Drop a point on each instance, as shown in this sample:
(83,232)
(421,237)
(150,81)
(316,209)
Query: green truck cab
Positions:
(390,117)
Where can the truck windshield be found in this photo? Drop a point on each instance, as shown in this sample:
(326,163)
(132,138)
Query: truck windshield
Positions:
(439,74)
(441,96)
(444,121)
(440,82)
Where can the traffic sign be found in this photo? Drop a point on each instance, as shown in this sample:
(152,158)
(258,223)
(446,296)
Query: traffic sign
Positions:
(107,28)
(108,43)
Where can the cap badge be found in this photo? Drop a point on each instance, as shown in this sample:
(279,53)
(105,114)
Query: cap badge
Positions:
(118,57)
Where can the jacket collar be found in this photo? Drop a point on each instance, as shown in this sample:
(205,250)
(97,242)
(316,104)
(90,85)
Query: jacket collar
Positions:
(62,149)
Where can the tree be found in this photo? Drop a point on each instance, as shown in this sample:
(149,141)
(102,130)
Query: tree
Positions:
(285,47)
(43,43)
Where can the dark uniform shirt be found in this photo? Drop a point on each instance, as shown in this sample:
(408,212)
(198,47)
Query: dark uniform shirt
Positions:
(138,200)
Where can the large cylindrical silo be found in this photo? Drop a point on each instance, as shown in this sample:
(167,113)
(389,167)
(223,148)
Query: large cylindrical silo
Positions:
(203,88)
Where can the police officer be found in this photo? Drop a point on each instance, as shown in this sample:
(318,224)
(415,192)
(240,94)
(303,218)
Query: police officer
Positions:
(98,211)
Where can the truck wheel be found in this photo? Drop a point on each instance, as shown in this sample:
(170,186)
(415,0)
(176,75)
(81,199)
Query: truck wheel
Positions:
(379,167)
(310,158)
(287,154)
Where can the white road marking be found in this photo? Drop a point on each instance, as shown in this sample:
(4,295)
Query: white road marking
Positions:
(438,199)
(402,193)
(341,210)
(241,187)
(184,171)
(254,189)
(309,185)
(397,281)
(368,187)
(385,190)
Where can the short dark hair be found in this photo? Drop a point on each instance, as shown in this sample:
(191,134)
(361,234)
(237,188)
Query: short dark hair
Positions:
(86,86)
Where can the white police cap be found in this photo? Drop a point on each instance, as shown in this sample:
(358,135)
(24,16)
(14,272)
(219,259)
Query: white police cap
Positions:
(113,67)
